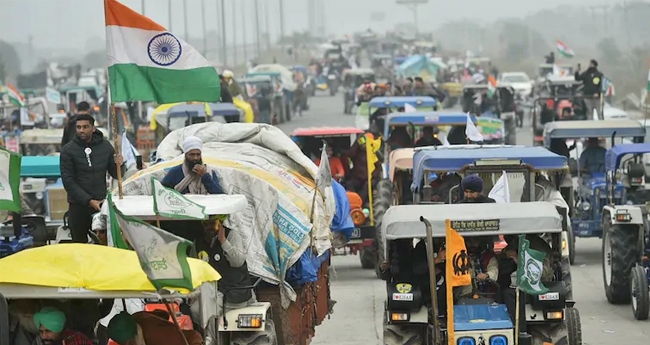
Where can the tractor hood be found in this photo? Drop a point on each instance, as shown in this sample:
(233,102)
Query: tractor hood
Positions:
(481,317)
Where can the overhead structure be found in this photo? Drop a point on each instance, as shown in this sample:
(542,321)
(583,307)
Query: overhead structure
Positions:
(413,6)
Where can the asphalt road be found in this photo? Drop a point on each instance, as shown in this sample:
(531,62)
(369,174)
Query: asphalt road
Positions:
(358,314)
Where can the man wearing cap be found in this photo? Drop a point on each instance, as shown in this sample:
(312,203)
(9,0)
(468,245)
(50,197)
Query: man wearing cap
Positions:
(233,86)
(223,249)
(592,81)
(192,176)
(144,328)
(472,186)
(51,324)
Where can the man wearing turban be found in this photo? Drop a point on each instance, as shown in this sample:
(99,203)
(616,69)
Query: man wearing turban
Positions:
(472,186)
(51,324)
(192,176)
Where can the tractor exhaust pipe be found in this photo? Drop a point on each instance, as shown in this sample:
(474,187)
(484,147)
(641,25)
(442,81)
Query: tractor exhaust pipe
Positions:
(433,280)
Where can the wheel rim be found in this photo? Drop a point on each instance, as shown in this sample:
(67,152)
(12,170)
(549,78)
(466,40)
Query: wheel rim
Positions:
(607,253)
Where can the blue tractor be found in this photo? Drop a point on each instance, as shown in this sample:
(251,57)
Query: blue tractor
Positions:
(371,115)
(593,191)
(626,232)
(417,309)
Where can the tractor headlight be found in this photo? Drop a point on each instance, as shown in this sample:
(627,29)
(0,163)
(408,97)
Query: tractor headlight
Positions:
(250,320)
(466,341)
(586,206)
(498,340)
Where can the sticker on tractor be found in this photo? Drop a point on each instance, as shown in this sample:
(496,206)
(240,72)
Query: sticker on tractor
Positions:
(476,225)
(551,296)
(404,288)
(402,297)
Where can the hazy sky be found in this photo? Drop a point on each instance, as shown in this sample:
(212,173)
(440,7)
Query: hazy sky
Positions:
(72,23)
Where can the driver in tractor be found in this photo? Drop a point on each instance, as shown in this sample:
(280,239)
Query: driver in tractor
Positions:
(336,166)
(508,261)
(427,138)
(484,267)
(472,186)
(399,138)
(358,179)
(592,159)
(223,249)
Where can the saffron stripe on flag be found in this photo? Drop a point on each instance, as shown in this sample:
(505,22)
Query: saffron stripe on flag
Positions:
(117,14)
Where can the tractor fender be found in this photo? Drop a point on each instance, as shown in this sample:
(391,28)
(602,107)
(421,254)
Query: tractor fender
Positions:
(609,214)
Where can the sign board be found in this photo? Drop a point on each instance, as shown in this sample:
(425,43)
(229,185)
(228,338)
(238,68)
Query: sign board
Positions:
(476,225)
(12,142)
(52,95)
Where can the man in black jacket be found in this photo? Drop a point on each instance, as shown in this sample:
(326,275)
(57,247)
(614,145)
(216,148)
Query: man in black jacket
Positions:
(472,186)
(84,163)
(69,124)
(226,97)
(592,81)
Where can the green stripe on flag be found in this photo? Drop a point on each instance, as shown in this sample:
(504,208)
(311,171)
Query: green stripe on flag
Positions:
(10,180)
(130,82)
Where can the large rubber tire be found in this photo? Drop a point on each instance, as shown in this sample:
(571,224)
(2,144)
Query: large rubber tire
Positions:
(554,333)
(620,253)
(265,337)
(381,202)
(640,293)
(574,325)
(571,238)
(368,258)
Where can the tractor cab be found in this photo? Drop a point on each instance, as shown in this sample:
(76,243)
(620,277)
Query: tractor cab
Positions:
(588,165)
(534,174)
(557,99)
(365,213)
(415,310)
(497,104)
(372,115)
(225,113)
(352,79)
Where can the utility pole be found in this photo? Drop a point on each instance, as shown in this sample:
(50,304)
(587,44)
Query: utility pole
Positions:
(266,11)
(281,19)
(413,6)
(243,30)
(234,32)
(311,9)
(169,13)
(187,35)
(143,7)
(205,37)
(257,29)
(223,32)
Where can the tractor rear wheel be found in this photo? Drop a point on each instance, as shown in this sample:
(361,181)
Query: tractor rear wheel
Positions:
(381,203)
(620,252)
(574,326)
(368,258)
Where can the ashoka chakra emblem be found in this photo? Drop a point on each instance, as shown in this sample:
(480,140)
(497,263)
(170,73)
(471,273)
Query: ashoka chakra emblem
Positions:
(164,49)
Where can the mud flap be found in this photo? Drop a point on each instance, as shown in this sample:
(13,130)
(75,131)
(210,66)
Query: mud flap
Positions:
(556,334)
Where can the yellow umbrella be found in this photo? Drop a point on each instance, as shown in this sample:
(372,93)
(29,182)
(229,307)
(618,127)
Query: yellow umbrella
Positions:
(92,267)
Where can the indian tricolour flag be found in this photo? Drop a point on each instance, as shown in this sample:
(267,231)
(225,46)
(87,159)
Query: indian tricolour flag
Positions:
(15,96)
(492,85)
(564,49)
(649,80)
(149,63)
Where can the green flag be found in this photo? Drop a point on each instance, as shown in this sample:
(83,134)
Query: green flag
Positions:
(9,180)
(169,203)
(162,255)
(530,268)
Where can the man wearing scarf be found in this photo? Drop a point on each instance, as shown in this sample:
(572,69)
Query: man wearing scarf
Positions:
(192,176)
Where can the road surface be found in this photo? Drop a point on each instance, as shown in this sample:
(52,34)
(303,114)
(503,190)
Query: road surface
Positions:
(358,314)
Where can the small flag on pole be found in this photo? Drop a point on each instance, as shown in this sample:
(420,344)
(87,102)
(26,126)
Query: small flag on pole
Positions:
(500,192)
(471,131)
(162,255)
(530,268)
(492,85)
(324,174)
(15,96)
(564,50)
(10,180)
(409,108)
(148,63)
(169,203)
(457,273)
(128,151)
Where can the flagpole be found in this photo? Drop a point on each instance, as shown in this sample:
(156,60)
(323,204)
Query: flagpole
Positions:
(173,315)
(117,149)
(433,279)
(517,316)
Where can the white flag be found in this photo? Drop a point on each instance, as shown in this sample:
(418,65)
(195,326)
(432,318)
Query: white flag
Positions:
(162,254)
(169,203)
(324,175)
(128,151)
(501,192)
(472,132)
(444,140)
(409,108)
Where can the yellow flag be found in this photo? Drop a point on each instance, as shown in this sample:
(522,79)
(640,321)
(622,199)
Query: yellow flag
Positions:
(372,146)
(457,273)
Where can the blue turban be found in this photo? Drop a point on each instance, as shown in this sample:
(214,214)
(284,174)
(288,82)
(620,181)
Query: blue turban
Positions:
(473,183)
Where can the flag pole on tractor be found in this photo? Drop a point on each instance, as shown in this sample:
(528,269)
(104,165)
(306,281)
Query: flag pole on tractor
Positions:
(647,101)
(117,149)
(433,279)
(457,270)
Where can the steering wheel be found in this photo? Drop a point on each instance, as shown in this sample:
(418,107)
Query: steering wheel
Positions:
(491,295)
